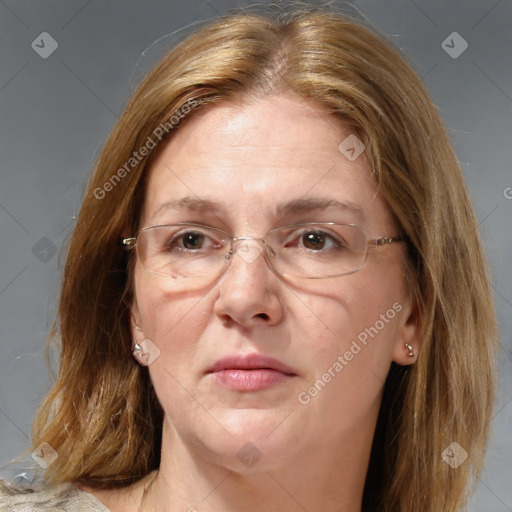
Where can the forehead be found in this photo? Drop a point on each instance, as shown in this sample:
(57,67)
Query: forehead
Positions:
(254,158)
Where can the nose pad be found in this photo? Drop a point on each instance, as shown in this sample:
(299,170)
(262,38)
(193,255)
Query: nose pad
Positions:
(249,249)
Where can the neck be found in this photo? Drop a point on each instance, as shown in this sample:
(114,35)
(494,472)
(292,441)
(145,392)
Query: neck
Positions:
(321,479)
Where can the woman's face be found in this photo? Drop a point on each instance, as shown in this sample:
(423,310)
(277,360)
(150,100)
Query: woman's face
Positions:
(247,168)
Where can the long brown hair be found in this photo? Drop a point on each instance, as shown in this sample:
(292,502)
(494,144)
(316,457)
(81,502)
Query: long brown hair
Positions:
(102,415)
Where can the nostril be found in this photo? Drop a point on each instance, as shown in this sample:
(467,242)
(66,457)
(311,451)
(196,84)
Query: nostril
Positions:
(264,316)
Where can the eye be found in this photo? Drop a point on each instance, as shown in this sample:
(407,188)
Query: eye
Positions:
(314,240)
(194,241)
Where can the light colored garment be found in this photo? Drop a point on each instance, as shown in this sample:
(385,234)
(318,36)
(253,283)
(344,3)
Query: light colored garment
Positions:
(44,498)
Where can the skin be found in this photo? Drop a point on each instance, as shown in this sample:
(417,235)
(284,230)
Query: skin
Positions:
(248,158)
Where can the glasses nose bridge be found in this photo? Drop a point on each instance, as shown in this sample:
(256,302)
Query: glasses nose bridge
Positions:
(236,239)
(249,254)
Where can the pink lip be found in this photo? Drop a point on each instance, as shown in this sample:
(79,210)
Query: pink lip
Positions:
(252,372)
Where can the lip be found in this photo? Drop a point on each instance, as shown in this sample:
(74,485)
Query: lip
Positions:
(252,361)
(252,372)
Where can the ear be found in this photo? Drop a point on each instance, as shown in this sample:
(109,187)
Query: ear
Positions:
(408,337)
(136,324)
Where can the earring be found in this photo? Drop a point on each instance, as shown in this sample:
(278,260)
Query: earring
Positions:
(140,356)
(137,351)
(409,347)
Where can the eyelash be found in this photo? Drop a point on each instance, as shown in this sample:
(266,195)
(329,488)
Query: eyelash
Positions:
(177,240)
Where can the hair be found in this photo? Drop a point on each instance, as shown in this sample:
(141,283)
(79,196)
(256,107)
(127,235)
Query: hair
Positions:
(102,410)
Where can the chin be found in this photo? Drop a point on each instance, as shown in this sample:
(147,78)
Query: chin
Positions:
(256,440)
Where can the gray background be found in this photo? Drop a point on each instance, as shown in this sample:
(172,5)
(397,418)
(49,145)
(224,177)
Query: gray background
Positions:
(56,113)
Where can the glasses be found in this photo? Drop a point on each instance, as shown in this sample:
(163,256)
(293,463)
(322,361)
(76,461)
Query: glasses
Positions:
(304,251)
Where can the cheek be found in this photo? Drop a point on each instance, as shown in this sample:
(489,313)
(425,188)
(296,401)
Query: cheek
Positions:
(174,321)
(356,320)
(172,318)
(347,348)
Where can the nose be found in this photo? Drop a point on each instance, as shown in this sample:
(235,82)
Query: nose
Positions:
(249,292)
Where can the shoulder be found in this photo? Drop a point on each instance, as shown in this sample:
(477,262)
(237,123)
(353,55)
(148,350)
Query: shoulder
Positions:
(54,498)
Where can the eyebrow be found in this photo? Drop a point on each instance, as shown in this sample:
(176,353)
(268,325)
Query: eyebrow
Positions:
(187,203)
(316,203)
(190,203)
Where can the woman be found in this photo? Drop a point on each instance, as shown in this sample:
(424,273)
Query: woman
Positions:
(278,232)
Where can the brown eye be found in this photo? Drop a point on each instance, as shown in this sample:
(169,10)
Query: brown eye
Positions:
(314,240)
(192,240)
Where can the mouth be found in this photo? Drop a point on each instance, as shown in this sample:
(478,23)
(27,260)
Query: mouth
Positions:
(252,372)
